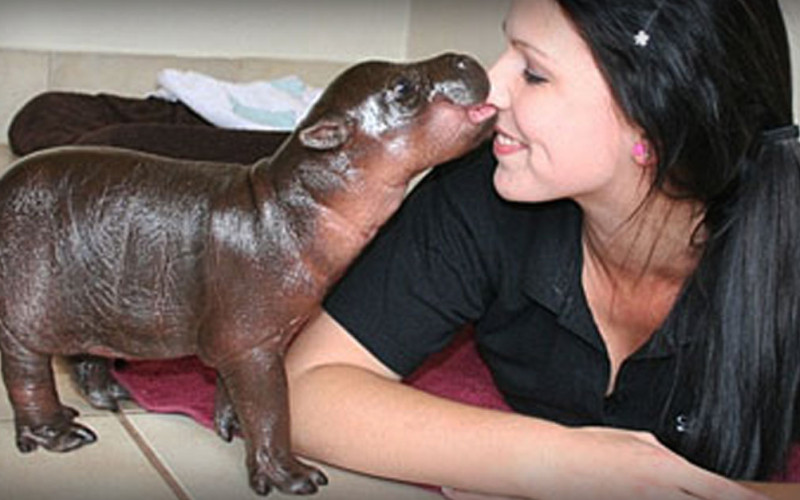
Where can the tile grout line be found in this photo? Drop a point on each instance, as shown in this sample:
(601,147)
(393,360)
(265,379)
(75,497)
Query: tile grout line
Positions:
(152,458)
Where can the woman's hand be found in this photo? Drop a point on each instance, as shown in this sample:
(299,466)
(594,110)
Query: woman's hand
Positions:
(595,463)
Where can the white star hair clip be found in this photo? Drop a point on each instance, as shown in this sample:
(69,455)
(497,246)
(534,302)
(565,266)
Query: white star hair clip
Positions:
(642,38)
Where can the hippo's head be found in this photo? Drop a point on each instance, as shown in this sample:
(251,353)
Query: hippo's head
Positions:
(399,119)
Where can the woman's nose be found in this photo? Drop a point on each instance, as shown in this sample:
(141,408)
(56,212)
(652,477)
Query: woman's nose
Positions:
(499,76)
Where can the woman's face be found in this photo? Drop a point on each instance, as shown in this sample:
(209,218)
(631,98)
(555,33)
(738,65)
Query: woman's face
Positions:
(560,133)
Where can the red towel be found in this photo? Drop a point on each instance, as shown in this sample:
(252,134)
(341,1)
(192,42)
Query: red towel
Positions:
(187,386)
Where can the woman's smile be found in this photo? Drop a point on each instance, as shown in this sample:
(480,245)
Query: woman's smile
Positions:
(505,145)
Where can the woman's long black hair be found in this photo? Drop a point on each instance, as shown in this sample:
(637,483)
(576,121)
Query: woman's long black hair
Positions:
(708,87)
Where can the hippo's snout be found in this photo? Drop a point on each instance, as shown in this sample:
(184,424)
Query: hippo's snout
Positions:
(465,65)
(458,78)
(470,69)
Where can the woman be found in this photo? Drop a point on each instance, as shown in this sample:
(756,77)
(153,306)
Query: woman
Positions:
(629,260)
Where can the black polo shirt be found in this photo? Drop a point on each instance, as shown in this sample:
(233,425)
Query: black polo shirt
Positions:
(457,253)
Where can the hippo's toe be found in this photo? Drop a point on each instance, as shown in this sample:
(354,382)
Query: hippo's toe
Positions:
(59,438)
(294,478)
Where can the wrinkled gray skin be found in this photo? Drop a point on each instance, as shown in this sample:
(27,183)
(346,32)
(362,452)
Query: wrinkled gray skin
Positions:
(113,253)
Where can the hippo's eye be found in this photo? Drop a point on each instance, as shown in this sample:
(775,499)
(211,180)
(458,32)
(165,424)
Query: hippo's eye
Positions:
(403,90)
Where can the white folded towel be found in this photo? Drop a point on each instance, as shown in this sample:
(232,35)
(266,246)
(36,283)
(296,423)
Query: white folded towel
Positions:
(261,105)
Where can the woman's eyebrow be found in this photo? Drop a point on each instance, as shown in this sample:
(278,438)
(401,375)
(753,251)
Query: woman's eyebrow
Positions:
(516,42)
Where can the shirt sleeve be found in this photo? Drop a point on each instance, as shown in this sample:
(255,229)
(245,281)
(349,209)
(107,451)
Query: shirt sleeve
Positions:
(425,274)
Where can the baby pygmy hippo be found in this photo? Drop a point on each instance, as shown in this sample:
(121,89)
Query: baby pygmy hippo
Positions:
(113,253)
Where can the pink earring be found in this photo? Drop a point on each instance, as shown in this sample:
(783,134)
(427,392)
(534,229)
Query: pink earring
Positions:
(641,152)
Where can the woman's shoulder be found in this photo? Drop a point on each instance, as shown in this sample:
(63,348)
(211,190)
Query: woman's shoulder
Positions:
(457,213)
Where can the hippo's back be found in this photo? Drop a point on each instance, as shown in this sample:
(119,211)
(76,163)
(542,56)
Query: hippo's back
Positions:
(101,249)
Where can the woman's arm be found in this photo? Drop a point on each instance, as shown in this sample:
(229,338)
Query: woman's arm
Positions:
(350,410)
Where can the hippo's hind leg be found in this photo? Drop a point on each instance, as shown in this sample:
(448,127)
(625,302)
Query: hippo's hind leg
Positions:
(226,422)
(39,417)
(92,374)
(256,384)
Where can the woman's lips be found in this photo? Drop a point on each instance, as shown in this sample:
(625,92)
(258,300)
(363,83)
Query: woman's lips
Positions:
(505,145)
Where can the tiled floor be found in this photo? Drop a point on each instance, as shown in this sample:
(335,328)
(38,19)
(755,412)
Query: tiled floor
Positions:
(153,456)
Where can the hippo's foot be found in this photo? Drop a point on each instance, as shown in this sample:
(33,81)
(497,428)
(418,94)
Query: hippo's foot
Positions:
(226,422)
(93,376)
(107,397)
(62,435)
(290,476)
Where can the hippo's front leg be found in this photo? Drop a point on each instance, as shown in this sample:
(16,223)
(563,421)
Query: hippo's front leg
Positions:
(39,417)
(256,385)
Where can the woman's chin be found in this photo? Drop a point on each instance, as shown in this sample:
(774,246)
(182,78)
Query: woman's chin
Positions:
(511,186)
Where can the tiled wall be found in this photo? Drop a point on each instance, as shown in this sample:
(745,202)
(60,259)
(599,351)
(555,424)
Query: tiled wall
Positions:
(24,74)
(27,73)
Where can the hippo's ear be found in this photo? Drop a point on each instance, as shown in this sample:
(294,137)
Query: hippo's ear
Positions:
(326,134)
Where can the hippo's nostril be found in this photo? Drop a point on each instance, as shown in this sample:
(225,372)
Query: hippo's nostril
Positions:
(462,63)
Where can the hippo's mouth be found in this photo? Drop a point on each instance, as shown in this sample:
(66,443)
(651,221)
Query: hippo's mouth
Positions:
(479,113)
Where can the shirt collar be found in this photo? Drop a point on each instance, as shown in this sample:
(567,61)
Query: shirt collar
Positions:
(553,279)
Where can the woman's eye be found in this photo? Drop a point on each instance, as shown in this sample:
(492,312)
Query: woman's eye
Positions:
(532,77)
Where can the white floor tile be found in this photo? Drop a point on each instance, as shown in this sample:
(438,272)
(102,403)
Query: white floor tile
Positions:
(112,468)
(210,469)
